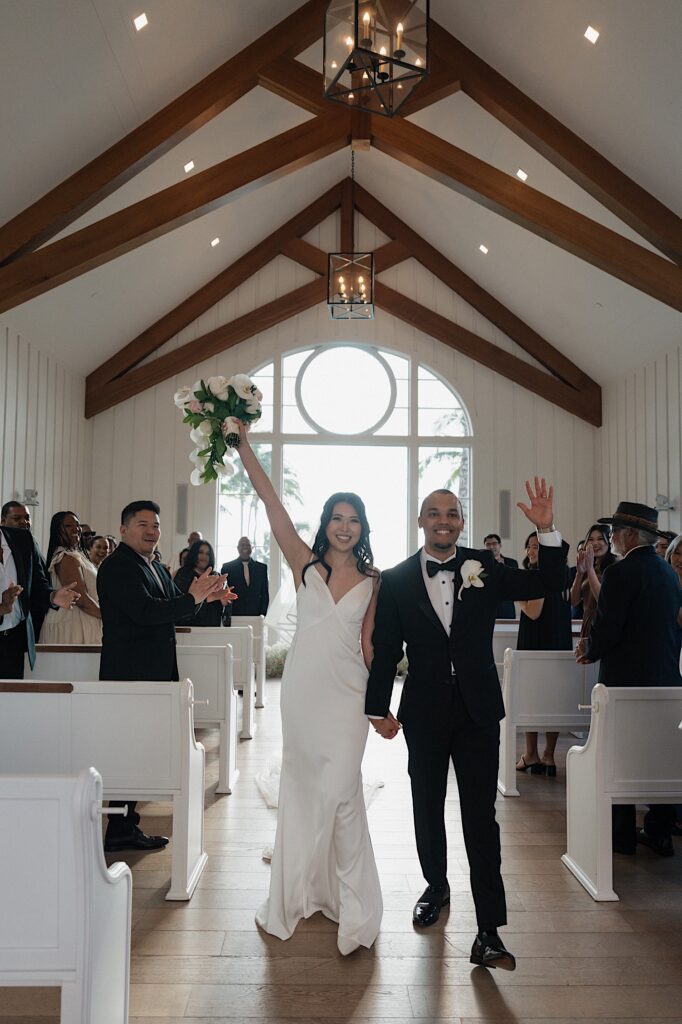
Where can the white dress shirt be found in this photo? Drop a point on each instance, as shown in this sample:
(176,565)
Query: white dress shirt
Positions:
(8,575)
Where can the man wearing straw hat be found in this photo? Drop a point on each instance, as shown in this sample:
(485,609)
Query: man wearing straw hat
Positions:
(636,639)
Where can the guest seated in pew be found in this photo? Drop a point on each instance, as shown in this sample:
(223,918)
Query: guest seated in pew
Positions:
(544,625)
(140,608)
(24,588)
(636,639)
(201,557)
(596,556)
(67,563)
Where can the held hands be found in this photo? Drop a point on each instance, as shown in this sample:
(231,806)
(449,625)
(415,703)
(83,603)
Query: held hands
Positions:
(66,597)
(387,727)
(540,512)
(8,598)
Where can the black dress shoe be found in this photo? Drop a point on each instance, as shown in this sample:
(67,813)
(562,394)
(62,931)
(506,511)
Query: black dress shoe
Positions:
(428,907)
(662,846)
(136,840)
(488,951)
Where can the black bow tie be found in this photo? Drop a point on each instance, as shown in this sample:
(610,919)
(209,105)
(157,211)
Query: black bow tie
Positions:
(435,567)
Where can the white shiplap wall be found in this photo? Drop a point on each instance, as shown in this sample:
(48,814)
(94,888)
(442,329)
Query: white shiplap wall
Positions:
(140,448)
(44,437)
(640,444)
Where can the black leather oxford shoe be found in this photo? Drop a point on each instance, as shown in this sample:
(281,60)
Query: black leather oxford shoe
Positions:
(488,951)
(428,907)
(136,840)
(664,846)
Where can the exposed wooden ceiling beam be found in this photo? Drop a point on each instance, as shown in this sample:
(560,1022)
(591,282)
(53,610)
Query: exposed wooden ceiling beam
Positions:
(583,405)
(481,300)
(309,256)
(194,108)
(121,232)
(219,340)
(192,307)
(562,147)
(534,211)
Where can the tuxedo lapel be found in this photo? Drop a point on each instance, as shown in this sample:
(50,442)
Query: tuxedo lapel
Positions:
(423,599)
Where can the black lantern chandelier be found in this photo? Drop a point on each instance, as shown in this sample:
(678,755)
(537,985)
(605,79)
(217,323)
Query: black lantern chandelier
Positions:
(375,53)
(350,277)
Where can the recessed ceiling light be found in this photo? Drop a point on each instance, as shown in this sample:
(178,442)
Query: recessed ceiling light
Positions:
(216,241)
(140,21)
(521,174)
(484,249)
(591,34)
(189,166)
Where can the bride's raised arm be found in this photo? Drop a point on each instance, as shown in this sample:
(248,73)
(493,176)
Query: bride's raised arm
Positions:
(295,550)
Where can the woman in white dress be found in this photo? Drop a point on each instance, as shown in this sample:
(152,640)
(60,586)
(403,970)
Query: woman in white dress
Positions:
(323,858)
(66,563)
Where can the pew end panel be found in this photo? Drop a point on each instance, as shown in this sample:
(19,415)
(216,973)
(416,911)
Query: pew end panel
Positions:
(633,754)
(188,857)
(66,917)
(211,669)
(257,624)
(240,639)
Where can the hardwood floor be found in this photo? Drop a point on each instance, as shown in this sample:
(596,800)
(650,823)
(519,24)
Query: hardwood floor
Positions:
(577,960)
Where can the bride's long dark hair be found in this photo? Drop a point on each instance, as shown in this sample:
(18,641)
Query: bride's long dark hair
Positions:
(362,550)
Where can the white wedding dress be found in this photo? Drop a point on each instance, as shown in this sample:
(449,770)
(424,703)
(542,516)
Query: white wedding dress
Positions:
(323,858)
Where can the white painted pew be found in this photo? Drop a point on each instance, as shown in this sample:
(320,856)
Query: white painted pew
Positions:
(633,754)
(65,916)
(257,623)
(506,632)
(139,734)
(540,690)
(209,668)
(240,639)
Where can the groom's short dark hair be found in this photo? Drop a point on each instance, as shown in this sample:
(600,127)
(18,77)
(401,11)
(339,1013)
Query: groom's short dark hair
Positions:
(442,490)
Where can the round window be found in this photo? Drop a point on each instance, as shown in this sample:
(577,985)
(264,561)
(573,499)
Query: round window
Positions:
(345,390)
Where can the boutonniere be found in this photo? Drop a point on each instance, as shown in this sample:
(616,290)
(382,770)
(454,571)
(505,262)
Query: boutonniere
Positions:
(473,575)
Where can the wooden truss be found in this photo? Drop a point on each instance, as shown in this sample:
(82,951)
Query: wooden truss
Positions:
(27,270)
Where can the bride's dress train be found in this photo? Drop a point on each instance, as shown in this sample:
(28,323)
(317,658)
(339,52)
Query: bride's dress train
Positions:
(323,858)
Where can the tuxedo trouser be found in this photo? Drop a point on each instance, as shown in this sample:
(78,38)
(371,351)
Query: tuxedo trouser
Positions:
(438,728)
(12,650)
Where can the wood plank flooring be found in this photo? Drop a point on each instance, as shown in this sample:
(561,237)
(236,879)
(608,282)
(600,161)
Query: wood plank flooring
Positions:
(577,960)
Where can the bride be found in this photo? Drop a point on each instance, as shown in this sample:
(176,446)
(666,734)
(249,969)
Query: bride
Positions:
(323,858)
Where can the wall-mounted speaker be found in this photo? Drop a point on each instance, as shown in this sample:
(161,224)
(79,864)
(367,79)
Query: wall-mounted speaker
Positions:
(504,517)
(181,502)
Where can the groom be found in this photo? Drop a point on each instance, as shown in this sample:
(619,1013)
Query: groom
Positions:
(441,602)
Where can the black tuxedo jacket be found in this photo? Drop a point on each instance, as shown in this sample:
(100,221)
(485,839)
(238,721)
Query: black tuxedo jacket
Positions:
(35,597)
(405,615)
(251,600)
(634,634)
(138,620)
(506,609)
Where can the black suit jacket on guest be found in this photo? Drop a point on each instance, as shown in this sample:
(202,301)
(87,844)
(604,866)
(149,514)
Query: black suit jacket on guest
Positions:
(138,620)
(251,600)
(35,597)
(405,614)
(634,634)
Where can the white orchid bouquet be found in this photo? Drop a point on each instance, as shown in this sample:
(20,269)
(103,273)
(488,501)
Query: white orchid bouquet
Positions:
(215,408)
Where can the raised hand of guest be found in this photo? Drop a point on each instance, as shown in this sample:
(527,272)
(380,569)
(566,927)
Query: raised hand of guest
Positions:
(387,727)
(541,508)
(207,587)
(67,596)
(8,598)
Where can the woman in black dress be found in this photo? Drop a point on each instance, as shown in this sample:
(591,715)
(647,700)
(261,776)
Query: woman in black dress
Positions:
(544,625)
(199,558)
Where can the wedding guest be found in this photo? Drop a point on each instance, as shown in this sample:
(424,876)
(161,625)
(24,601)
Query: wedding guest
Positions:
(67,563)
(544,625)
(24,589)
(193,537)
(441,603)
(201,557)
(18,517)
(249,580)
(635,637)
(140,607)
(98,550)
(674,556)
(493,542)
(87,534)
(112,542)
(665,538)
(576,609)
(593,561)
(182,556)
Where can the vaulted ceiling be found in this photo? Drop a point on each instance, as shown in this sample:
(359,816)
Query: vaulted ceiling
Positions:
(582,269)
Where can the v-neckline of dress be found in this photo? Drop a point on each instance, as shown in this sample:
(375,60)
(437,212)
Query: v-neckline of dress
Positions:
(343,596)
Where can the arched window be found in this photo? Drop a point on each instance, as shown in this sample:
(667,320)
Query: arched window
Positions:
(350,418)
